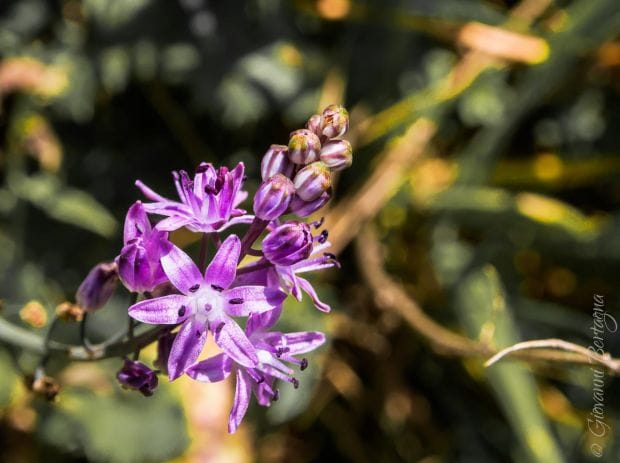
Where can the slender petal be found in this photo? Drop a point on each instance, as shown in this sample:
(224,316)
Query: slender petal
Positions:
(233,341)
(241,401)
(244,300)
(180,269)
(221,271)
(136,223)
(173,223)
(212,370)
(263,321)
(303,341)
(146,191)
(186,348)
(165,310)
(307,287)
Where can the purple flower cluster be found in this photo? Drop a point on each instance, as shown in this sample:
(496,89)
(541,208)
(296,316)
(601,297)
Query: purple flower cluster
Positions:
(199,299)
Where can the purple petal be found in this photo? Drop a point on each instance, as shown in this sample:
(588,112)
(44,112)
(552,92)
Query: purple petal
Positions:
(263,321)
(165,310)
(173,223)
(186,347)
(303,341)
(221,271)
(150,194)
(136,223)
(244,300)
(233,341)
(212,370)
(307,287)
(180,269)
(241,402)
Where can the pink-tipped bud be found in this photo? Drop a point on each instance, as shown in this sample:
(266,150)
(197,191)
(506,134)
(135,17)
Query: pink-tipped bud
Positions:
(334,121)
(273,197)
(97,287)
(314,124)
(276,161)
(337,154)
(304,147)
(312,181)
(302,208)
(288,244)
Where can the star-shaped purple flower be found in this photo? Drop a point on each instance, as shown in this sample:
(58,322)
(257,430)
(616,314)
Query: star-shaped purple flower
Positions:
(208,203)
(206,303)
(273,348)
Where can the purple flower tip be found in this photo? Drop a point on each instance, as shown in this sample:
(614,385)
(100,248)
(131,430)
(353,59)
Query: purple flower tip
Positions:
(137,376)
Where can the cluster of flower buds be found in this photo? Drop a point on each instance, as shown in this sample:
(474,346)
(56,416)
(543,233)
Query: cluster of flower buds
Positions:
(307,162)
(189,299)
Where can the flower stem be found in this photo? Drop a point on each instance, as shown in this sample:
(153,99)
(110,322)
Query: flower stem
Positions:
(256,228)
(202,258)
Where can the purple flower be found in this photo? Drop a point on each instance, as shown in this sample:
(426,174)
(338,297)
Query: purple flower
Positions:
(206,303)
(288,243)
(138,263)
(136,375)
(97,287)
(273,349)
(287,276)
(207,204)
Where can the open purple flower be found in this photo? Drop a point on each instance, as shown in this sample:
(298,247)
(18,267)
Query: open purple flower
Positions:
(138,263)
(206,303)
(287,276)
(273,349)
(208,203)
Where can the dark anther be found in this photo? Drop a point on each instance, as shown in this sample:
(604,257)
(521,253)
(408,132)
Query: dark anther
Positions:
(295,382)
(279,352)
(181,311)
(276,395)
(318,223)
(219,328)
(236,300)
(202,168)
(323,236)
(304,364)
(329,255)
(194,288)
(219,289)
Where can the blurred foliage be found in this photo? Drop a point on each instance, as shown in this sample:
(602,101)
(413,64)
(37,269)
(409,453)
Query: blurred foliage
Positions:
(503,229)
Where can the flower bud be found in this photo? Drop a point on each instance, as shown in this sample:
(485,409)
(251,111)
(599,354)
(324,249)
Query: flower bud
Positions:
(288,244)
(273,197)
(314,124)
(136,375)
(97,287)
(302,208)
(304,147)
(276,161)
(337,154)
(312,181)
(334,121)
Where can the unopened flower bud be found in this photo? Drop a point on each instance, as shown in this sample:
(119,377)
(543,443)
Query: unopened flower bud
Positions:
(273,197)
(337,154)
(312,181)
(276,161)
(288,244)
(314,124)
(97,287)
(334,121)
(136,375)
(302,208)
(69,312)
(304,147)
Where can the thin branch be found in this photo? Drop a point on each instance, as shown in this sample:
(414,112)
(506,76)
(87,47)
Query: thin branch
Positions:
(604,360)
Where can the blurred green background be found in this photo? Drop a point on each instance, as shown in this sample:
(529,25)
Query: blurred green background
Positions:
(484,195)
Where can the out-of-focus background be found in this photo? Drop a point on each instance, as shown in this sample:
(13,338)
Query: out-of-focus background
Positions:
(482,209)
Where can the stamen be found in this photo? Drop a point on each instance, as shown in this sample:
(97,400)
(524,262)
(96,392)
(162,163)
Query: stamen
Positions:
(219,328)
(304,364)
(323,236)
(295,383)
(194,288)
(236,300)
(276,395)
(219,289)
(318,223)
(181,311)
(329,255)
